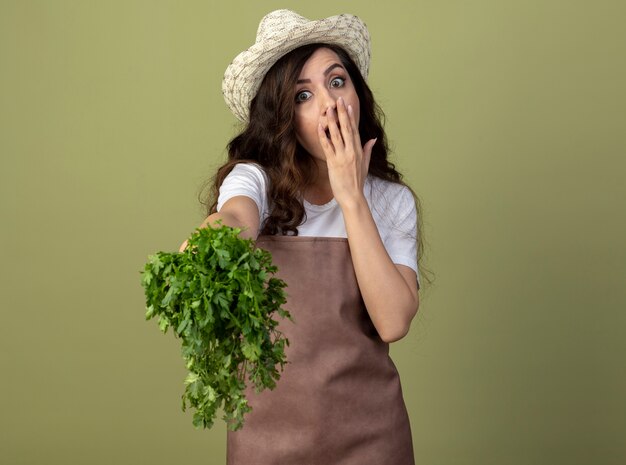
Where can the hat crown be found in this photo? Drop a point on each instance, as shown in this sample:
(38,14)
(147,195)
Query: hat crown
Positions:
(278,21)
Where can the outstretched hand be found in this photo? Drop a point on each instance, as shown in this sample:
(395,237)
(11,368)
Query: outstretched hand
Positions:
(348,161)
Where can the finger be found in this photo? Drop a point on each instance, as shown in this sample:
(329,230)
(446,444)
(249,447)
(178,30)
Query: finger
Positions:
(355,129)
(183,247)
(367,154)
(326,144)
(335,134)
(344,121)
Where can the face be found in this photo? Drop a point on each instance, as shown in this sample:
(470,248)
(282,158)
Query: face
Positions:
(322,81)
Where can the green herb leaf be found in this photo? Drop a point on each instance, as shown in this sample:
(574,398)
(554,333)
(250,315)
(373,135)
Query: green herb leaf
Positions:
(220,296)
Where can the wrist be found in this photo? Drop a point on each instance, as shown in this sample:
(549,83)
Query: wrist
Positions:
(353,204)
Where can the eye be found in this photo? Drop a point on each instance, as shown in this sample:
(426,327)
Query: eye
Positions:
(337,82)
(303,96)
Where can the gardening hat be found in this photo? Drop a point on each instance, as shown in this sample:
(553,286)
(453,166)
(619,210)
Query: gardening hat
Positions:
(279,33)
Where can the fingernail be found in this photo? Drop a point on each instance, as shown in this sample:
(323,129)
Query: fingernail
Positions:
(350,109)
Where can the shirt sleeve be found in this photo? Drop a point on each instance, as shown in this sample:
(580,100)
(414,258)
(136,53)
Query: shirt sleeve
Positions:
(401,240)
(246,179)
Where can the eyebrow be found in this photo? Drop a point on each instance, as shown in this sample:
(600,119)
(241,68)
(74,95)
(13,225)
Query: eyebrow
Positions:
(328,70)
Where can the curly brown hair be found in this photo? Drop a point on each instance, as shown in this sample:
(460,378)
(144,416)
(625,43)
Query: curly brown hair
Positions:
(269,139)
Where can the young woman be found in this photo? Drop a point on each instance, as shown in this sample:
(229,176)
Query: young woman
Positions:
(308,178)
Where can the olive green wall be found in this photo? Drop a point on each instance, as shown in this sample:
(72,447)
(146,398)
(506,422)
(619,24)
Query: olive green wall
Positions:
(507,117)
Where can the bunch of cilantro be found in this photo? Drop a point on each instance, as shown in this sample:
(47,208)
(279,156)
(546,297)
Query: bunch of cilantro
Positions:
(219,297)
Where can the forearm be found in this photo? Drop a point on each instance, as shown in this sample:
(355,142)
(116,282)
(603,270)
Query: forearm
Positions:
(390,302)
(229,219)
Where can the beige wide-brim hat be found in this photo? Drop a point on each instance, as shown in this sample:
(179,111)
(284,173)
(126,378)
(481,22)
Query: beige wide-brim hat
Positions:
(280,32)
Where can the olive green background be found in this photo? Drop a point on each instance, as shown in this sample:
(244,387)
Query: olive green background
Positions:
(507,117)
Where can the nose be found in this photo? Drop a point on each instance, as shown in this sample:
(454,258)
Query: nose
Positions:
(326,99)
